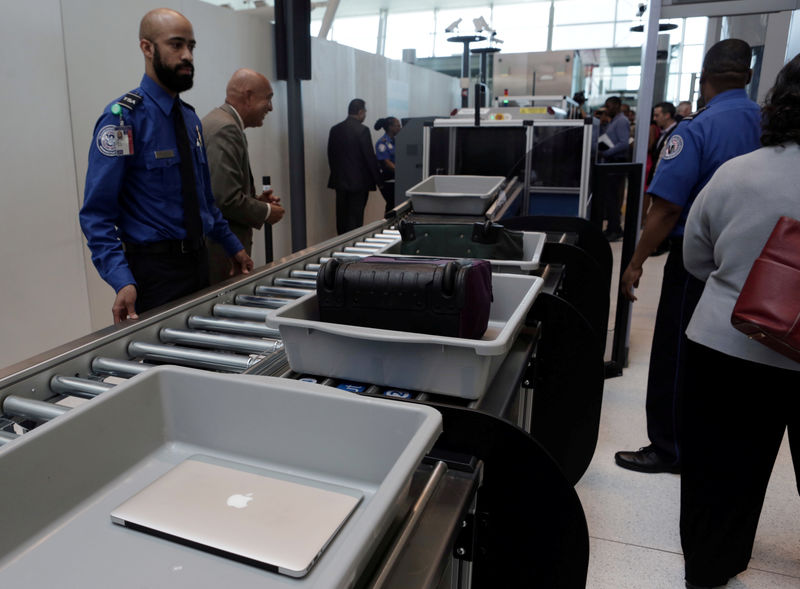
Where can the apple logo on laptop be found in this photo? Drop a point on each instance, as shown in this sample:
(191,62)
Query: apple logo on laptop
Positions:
(239,501)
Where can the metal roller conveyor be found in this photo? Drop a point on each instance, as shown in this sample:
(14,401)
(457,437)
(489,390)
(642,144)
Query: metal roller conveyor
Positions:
(6,437)
(295,283)
(369,246)
(190,357)
(78,387)
(309,274)
(265,302)
(313,267)
(32,409)
(256,329)
(239,312)
(348,256)
(377,240)
(115,367)
(360,250)
(283,291)
(214,341)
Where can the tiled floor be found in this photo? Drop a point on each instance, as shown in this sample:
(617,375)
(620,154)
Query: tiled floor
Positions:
(633,517)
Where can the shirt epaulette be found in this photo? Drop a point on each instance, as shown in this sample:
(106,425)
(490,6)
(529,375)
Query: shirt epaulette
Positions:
(130,101)
(690,116)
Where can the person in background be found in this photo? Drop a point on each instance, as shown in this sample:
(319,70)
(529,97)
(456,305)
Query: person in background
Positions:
(614,147)
(248,100)
(684,109)
(578,112)
(354,168)
(384,151)
(728,127)
(148,205)
(664,117)
(741,396)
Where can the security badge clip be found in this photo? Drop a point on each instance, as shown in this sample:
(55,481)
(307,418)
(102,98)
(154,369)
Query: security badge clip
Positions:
(199,141)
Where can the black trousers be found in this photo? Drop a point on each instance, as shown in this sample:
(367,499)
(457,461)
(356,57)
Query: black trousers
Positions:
(733,418)
(387,192)
(164,277)
(680,292)
(350,207)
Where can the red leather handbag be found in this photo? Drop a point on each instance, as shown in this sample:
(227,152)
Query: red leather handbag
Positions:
(768,308)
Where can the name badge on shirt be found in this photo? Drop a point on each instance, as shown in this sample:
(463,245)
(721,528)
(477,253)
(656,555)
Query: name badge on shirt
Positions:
(115,140)
(165,154)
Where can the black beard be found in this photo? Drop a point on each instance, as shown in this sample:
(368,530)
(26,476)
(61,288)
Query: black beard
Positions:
(169,77)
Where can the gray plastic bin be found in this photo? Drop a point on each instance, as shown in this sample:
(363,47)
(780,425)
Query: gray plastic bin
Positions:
(451,366)
(455,195)
(62,480)
(532,245)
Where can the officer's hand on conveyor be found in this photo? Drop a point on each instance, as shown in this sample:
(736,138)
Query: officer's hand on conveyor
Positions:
(125,304)
(241,263)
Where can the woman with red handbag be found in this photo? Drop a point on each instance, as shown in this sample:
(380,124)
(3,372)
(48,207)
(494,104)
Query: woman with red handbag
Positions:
(741,396)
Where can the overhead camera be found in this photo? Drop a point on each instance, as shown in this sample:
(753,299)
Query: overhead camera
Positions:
(453,26)
(481,25)
(642,9)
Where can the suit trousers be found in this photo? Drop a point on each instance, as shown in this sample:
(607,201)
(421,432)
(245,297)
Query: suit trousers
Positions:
(680,292)
(733,419)
(164,277)
(350,207)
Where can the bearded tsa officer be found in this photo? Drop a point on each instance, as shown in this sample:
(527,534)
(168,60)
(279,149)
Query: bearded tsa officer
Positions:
(148,204)
(728,126)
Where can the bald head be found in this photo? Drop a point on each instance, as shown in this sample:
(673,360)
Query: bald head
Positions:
(157,20)
(250,93)
(166,39)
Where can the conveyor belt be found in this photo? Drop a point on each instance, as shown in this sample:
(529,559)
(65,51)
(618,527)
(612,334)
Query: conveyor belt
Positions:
(220,329)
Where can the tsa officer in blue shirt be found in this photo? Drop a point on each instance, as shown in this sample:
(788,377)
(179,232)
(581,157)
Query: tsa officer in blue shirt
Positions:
(727,127)
(384,151)
(148,203)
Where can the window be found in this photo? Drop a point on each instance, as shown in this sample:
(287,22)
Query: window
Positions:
(360,32)
(589,36)
(522,27)
(409,30)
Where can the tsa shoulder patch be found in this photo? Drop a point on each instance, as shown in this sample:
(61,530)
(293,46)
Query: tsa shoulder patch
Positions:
(114,140)
(674,147)
(381,147)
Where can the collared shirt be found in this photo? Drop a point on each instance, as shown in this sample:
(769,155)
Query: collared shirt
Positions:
(137,198)
(619,131)
(236,116)
(729,126)
(384,148)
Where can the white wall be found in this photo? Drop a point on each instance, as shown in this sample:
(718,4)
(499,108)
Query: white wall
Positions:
(43,290)
(65,60)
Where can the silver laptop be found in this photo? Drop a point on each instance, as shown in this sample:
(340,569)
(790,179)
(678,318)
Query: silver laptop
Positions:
(259,517)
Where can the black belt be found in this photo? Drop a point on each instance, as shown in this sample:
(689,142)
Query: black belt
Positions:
(168,246)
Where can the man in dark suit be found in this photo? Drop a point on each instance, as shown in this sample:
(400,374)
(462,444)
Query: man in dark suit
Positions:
(248,99)
(354,167)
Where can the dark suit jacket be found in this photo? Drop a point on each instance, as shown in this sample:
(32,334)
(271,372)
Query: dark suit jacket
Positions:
(353,164)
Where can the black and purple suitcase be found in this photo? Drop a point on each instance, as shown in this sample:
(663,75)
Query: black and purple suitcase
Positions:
(434,296)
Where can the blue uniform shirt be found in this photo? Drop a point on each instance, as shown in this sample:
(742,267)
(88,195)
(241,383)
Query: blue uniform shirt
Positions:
(137,198)
(729,126)
(384,148)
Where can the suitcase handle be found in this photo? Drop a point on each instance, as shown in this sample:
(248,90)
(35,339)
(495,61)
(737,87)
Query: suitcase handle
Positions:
(328,272)
(449,279)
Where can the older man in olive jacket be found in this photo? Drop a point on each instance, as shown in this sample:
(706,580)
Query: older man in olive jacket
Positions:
(248,99)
